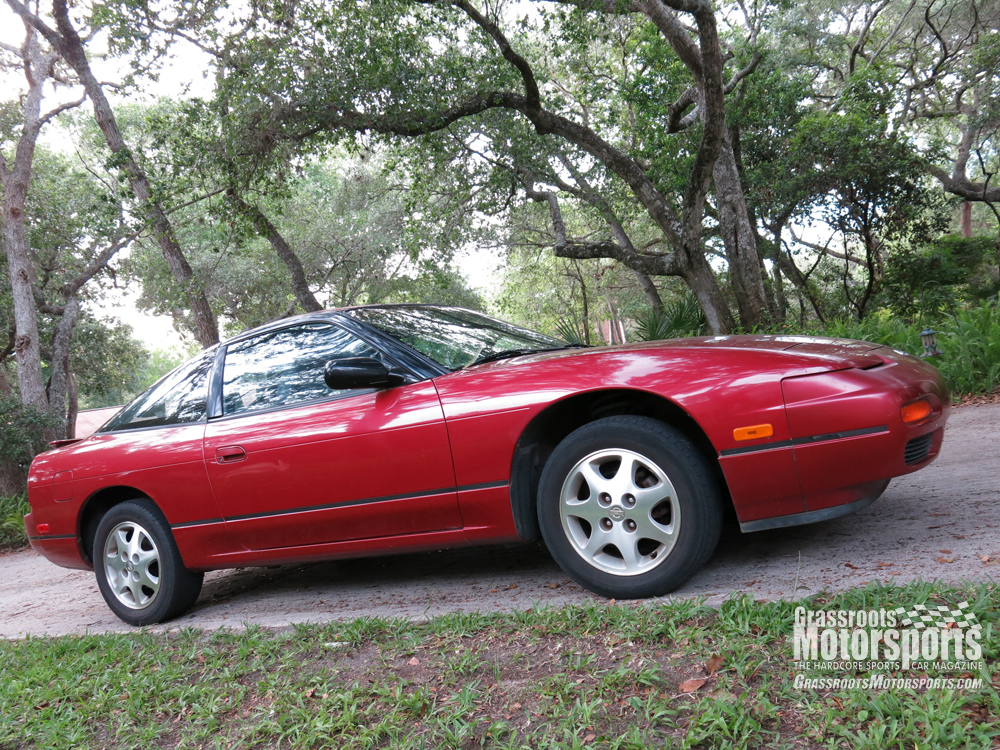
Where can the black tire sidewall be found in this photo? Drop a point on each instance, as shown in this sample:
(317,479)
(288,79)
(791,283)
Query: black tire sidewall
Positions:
(179,587)
(693,481)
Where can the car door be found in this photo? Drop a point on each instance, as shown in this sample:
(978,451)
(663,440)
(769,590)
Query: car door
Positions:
(293,463)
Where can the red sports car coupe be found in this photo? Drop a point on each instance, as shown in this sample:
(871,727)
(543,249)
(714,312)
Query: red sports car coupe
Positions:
(396,428)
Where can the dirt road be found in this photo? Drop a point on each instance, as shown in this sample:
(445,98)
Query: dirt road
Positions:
(935,524)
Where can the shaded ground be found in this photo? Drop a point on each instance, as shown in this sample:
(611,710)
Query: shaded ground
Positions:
(936,524)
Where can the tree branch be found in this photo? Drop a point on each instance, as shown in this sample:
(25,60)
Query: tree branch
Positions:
(964,188)
(416,123)
(523,67)
(654,265)
(62,108)
(675,33)
(739,75)
(676,110)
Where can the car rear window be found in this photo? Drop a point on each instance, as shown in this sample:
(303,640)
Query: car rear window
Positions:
(177,398)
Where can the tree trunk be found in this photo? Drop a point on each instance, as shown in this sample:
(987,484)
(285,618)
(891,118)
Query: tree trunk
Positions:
(5,387)
(586,302)
(780,303)
(27,349)
(58,383)
(70,46)
(300,285)
(72,406)
(12,480)
(967,219)
(700,278)
(740,239)
(650,290)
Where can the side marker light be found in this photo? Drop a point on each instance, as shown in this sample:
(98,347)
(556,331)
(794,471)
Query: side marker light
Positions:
(755,432)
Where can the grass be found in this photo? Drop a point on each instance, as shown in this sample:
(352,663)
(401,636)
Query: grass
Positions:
(12,512)
(606,675)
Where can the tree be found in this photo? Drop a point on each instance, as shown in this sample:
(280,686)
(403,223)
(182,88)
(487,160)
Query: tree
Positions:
(930,63)
(442,66)
(39,66)
(936,277)
(66,40)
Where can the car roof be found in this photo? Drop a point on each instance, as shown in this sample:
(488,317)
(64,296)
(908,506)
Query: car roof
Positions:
(332,314)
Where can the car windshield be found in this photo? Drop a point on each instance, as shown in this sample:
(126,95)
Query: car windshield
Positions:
(454,337)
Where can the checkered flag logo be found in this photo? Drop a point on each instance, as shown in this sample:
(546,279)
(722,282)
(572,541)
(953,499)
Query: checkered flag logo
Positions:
(938,616)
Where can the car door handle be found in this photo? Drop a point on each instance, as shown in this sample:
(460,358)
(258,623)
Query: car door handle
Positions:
(230,454)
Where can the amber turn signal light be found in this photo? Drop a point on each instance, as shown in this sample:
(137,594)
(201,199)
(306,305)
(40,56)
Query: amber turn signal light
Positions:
(916,411)
(753,433)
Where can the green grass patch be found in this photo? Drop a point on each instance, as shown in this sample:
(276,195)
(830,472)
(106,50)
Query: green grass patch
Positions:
(12,513)
(606,675)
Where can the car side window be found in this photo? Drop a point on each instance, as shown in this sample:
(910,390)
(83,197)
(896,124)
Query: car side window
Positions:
(178,398)
(286,366)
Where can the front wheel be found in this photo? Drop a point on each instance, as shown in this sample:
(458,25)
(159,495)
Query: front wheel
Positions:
(628,507)
(138,566)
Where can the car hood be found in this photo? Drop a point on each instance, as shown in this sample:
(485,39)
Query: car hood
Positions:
(823,353)
(847,352)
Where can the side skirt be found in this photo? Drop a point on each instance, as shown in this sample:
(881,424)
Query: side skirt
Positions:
(813,516)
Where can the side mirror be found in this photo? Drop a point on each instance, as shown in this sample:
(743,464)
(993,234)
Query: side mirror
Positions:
(360,372)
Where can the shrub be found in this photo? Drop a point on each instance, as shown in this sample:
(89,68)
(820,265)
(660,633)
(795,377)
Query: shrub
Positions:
(682,317)
(12,512)
(21,429)
(969,341)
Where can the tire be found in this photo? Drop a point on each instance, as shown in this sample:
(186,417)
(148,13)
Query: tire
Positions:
(138,566)
(629,507)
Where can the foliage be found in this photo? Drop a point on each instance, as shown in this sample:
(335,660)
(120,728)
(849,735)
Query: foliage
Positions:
(969,341)
(12,512)
(681,317)
(842,126)
(569,331)
(928,280)
(21,430)
(345,220)
(971,347)
(567,297)
(598,675)
(108,362)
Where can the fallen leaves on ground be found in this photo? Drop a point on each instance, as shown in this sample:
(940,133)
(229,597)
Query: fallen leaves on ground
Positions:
(712,665)
(689,686)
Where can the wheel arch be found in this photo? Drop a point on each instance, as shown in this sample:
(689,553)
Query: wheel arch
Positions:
(94,509)
(550,426)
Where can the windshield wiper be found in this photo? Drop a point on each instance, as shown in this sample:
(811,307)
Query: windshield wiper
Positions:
(507,353)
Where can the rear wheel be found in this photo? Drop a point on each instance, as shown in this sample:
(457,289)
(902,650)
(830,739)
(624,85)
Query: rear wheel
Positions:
(629,507)
(138,566)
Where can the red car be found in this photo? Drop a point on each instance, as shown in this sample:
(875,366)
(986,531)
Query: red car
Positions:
(398,428)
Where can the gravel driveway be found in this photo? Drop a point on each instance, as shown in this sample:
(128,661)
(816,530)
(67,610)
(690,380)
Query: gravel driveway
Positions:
(939,523)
